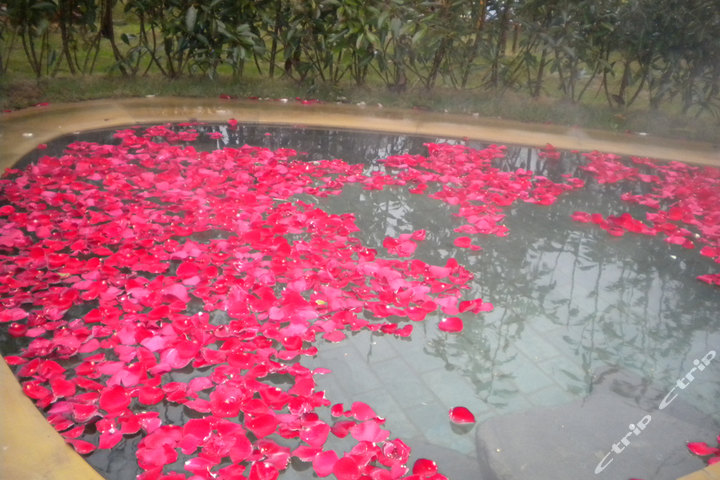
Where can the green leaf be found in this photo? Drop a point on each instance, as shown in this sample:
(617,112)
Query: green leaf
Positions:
(191,18)
(382,19)
(43,6)
(418,36)
(373,38)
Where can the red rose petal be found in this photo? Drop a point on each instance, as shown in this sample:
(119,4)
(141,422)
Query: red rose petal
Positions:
(461,415)
(114,399)
(451,324)
(263,471)
(262,425)
(702,449)
(424,468)
(346,469)
(82,447)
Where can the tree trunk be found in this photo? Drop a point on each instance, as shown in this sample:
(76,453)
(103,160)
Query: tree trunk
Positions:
(107,30)
(479,26)
(437,61)
(276,32)
(541,71)
(500,46)
(65,20)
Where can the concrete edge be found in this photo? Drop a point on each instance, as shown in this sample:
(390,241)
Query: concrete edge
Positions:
(21,131)
(30,448)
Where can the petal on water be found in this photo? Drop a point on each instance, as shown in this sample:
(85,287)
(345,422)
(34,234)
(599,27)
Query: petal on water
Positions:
(362,411)
(324,463)
(461,415)
(114,399)
(702,449)
(462,242)
(424,467)
(346,468)
(451,324)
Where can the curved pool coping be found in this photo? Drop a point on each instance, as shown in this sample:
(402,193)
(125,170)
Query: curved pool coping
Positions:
(30,449)
(22,130)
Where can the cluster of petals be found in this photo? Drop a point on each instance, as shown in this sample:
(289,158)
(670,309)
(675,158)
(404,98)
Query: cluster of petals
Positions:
(682,201)
(123,264)
(466,178)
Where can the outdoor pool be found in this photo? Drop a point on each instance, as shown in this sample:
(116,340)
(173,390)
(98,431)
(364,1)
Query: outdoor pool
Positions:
(247,259)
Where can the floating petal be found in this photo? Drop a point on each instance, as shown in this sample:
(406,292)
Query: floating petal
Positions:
(451,324)
(461,415)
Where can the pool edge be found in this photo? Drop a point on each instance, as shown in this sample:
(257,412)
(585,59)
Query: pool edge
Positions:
(22,130)
(30,448)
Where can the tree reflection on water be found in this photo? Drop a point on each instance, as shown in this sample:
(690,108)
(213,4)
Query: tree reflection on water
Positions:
(598,300)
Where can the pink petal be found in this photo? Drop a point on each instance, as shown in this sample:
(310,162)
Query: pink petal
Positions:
(150,395)
(324,463)
(337,410)
(226,401)
(582,217)
(335,336)
(418,235)
(61,387)
(12,315)
(451,324)
(263,471)
(177,290)
(346,469)
(109,439)
(369,431)
(702,448)
(242,449)
(315,435)
(362,411)
(462,242)
(199,465)
(306,453)
(82,447)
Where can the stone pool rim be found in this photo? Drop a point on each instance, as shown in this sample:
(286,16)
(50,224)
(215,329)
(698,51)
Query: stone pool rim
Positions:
(29,447)
(22,130)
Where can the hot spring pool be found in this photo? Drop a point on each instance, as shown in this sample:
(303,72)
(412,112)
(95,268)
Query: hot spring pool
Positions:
(591,354)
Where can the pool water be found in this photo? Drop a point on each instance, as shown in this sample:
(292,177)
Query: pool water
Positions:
(589,332)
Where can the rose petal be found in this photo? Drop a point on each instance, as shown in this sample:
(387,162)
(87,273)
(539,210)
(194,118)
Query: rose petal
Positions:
(424,467)
(461,415)
(324,463)
(451,324)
